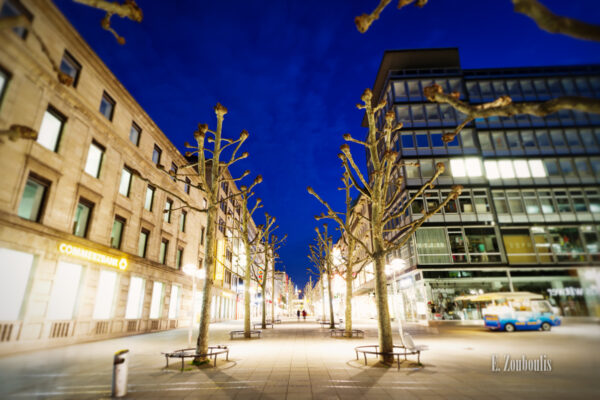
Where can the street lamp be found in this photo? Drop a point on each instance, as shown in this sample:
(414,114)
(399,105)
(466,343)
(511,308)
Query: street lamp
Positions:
(397,264)
(191,270)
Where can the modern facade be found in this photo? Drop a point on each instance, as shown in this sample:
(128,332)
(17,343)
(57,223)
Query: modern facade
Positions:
(94,234)
(529,215)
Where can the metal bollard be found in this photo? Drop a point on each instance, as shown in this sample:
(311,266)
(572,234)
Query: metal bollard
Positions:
(120,365)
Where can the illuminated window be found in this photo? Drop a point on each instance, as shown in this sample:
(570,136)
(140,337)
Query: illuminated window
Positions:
(135,133)
(34,197)
(135,298)
(473,167)
(64,291)
(174,302)
(105,294)
(70,67)
(51,129)
(107,106)
(94,159)
(149,200)
(157,300)
(491,170)
(14,276)
(125,183)
(521,169)
(537,169)
(457,167)
(506,169)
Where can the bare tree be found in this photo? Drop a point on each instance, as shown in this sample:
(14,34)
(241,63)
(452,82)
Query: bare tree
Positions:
(382,192)
(212,172)
(321,257)
(128,9)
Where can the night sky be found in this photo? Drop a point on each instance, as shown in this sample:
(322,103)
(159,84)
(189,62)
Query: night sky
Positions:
(291,73)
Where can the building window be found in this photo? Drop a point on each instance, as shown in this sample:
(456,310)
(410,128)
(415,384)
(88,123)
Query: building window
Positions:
(157,300)
(519,246)
(156,153)
(82,218)
(125,184)
(457,245)
(222,225)
(135,133)
(167,210)
(117,232)
(16,269)
(182,220)
(51,129)
(173,172)
(70,67)
(94,159)
(143,242)
(12,8)
(164,247)
(432,247)
(4,78)
(566,244)
(482,244)
(65,288)
(149,200)
(202,235)
(105,294)
(34,198)
(186,186)
(174,302)
(135,298)
(179,258)
(107,106)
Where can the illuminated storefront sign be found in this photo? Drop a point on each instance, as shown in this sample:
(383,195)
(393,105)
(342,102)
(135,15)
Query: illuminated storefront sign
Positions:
(92,255)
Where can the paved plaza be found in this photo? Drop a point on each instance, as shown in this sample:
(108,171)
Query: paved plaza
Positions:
(299,360)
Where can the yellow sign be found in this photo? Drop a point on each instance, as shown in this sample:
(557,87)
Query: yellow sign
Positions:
(91,255)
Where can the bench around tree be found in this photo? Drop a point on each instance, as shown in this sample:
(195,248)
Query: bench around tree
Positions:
(232,334)
(213,352)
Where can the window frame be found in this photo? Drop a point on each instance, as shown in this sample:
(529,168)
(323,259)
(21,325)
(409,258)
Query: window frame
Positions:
(123,222)
(42,207)
(90,205)
(74,63)
(102,151)
(109,100)
(135,127)
(53,111)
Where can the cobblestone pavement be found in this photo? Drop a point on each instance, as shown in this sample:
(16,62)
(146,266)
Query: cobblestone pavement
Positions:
(299,360)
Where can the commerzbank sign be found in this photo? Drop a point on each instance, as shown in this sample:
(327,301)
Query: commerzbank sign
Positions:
(91,255)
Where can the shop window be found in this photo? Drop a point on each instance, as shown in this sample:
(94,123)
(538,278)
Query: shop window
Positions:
(566,244)
(182,221)
(70,67)
(107,106)
(143,242)
(162,255)
(156,301)
(149,199)
(125,183)
(135,132)
(13,8)
(482,244)
(15,269)
(592,243)
(51,129)
(83,213)
(94,159)
(34,198)
(431,246)
(167,211)
(518,245)
(65,287)
(105,294)
(135,298)
(116,233)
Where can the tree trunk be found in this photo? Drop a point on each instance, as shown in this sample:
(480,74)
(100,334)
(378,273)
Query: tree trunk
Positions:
(330,291)
(247,299)
(209,262)
(322,296)
(348,314)
(384,324)
(273,294)
(264,305)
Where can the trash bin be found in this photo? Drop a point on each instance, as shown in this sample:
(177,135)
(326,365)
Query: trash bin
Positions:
(120,366)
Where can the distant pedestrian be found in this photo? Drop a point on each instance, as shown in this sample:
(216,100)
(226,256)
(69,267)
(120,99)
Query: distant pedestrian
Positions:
(304,314)
(298,314)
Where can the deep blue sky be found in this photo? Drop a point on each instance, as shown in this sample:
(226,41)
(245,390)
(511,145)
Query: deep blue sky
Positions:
(291,72)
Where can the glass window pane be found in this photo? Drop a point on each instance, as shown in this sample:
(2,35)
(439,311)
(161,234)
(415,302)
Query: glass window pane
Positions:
(157,300)
(105,294)
(414,90)
(142,243)
(515,203)
(432,247)
(135,298)
(94,160)
(473,167)
(506,169)
(513,139)
(82,215)
(457,167)
(422,140)
(418,114)
(567,167)
(125,183)
(116,233)
(182,218)
(499,141)
(64,291)
(436,140)
(32,201)
(491,170)
(567,244)
(557,138)
(551,168)
(50,131)
(457,246)
(466,204)
(543,138)
(485,141)
(518,245)
(15,269)
(582,167)
(134,134)
(537,168)
(149,198)
(521,169)
(426,168)
(481,242)
(466,136)
(547,205)
(528,139)
(407,141)
(174,302)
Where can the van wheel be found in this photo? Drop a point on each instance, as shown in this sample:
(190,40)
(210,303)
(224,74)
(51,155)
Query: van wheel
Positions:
(509,328)
(546,326)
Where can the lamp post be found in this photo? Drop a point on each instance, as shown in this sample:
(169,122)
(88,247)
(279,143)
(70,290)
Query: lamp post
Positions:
(191,270)
(397,264)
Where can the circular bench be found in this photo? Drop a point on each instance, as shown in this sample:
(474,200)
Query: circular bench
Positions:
(342,332)
(213,352)
(374,349)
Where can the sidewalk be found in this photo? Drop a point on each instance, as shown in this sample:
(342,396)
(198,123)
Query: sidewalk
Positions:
(298,360)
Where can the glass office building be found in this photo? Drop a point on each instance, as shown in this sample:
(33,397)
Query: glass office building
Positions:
(529,215)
